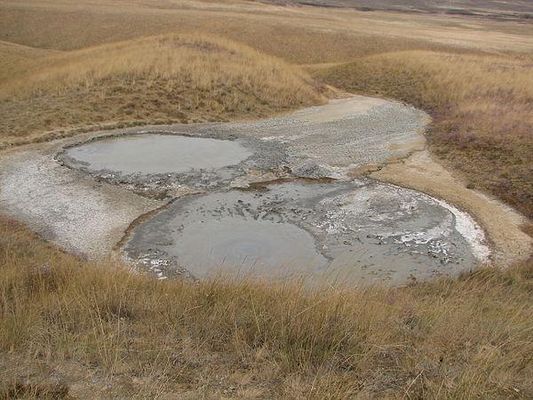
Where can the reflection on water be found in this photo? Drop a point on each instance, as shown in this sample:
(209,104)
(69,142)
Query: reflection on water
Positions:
(155,154)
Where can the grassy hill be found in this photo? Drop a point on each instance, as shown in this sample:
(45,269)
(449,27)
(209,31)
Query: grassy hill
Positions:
(171,78)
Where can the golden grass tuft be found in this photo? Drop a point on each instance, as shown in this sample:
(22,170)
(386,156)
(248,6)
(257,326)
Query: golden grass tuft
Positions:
(464,338)
(482,108)
(172,78)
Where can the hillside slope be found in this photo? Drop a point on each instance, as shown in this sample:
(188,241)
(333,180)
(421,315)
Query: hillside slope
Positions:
(178,78)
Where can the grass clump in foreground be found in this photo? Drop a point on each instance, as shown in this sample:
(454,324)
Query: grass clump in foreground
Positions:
(180,78)
(68,328)
(482,109)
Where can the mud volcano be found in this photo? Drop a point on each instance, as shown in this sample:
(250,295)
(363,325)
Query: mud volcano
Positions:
(274,198)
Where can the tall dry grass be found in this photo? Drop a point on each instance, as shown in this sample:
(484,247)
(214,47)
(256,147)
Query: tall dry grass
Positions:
(15,58)
(170,78)
(482,108)
(123,334)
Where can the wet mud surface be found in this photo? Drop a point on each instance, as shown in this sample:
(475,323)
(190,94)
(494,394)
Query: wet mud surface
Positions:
(362,230)
(159,164)
(157,154)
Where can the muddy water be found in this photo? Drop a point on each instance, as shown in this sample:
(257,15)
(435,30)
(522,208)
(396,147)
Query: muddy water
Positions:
(360,231)
(156,154)
(246,245)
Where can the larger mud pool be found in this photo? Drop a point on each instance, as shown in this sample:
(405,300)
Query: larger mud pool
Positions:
(359,231)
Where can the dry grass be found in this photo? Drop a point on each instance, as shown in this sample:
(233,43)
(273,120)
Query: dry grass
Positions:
(16,58)
(135,336)
(300,35)
(482,107)
(494,8)
(98,331)
(169,78)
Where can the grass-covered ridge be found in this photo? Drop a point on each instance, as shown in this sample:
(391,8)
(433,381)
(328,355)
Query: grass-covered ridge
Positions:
(135,336)
(179,78)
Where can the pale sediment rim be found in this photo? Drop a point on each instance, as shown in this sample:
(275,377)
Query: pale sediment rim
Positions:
(467,223)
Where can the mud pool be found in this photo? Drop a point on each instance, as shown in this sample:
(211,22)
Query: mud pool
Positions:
(162,165)
(359,231)
(157,154)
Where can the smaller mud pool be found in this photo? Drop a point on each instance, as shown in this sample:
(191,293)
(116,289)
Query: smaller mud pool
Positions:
(359,231)
(167,165)
(157,154)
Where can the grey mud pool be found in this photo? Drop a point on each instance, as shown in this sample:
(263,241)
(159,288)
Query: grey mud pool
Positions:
(272,199)
(338,230)
(358,231)
(158,154)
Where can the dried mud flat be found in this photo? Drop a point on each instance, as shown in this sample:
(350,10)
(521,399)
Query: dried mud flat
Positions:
(66,206)
(96,191)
